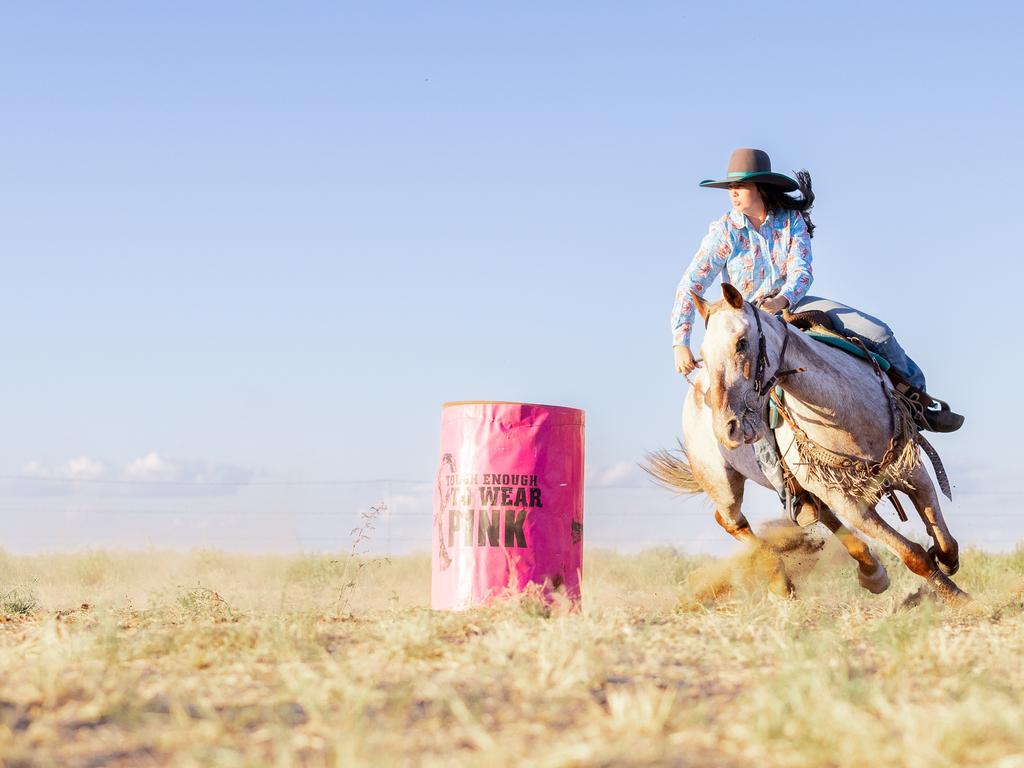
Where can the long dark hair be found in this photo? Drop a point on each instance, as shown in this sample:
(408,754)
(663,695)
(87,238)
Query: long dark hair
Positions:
(775,199)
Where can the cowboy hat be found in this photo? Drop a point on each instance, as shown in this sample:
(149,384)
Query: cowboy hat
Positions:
(751,165)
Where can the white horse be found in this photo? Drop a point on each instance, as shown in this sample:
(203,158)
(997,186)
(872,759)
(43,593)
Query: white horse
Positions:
(837,404)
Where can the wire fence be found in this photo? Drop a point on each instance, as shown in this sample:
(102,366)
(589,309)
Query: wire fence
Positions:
(60,512)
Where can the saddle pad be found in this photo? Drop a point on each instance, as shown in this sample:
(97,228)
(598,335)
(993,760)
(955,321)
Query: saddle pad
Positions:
(839,342)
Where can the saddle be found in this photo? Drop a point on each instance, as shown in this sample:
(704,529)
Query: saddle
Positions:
(818,326)
(809,319)
(803,508)
(930,413)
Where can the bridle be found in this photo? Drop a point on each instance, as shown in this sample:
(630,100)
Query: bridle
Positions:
(762,388)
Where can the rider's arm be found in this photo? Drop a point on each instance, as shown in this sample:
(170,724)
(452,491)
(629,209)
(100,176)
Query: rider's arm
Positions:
(798,262)
(711,257)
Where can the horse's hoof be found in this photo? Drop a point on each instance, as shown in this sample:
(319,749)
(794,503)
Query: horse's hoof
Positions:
(950,593)
(948,570)
(876,583)
(924,592)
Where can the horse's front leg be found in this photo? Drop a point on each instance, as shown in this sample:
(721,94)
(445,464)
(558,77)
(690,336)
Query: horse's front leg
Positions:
(732,519)
(723,483)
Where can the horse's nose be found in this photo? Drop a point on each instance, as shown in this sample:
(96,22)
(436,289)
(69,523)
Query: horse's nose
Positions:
(732,429)
(728,429)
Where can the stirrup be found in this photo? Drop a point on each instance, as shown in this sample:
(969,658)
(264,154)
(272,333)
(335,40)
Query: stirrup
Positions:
(808,513)
(940,419)
(802,509)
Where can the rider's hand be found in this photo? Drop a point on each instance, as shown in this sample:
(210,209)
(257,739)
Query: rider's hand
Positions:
(684,360)
(774,304)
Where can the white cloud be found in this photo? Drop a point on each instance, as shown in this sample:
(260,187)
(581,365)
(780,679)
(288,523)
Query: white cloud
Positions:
(152,466)
(84,468)
(157,468)
(621,473)
(151,475)
(80,468)
(35,469)
(410,504)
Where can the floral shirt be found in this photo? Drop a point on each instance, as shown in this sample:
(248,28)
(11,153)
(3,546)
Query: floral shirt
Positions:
(772,259)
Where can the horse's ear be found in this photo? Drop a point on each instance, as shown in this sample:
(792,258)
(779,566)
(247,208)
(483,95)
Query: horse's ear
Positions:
(733,297)
(702,306)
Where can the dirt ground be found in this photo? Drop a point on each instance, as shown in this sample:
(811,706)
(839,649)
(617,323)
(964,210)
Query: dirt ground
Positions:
(206,658)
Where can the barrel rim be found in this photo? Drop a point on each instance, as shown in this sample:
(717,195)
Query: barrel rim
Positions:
(508,402)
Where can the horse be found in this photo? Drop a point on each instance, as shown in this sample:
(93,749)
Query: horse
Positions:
(835,406)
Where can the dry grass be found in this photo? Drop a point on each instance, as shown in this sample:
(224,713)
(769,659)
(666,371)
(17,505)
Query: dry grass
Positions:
(212,659)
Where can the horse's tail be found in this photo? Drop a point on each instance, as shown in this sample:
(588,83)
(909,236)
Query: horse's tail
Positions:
(671,471)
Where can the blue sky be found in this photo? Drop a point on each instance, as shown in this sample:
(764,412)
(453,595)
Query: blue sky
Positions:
(258,243)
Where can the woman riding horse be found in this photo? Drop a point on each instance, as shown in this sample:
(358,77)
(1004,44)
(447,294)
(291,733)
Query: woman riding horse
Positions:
(763,247)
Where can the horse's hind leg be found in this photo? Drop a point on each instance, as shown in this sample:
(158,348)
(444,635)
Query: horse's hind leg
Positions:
(871,572)
(912,554)
(946,551)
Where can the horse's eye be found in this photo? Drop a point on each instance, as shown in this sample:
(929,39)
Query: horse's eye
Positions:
(741,347)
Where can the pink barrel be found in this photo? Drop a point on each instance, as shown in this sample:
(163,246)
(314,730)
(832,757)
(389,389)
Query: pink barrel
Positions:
(508,505)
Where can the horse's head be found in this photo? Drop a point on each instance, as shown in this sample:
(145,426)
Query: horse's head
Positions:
(730,358)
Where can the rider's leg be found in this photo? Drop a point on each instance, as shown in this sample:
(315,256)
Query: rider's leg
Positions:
(767,452)
(878,337)
(801,509)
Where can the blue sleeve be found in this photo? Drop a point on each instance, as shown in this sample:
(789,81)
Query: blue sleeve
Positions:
(709,261)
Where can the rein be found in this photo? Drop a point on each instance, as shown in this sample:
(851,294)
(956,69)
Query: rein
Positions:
(763,388)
